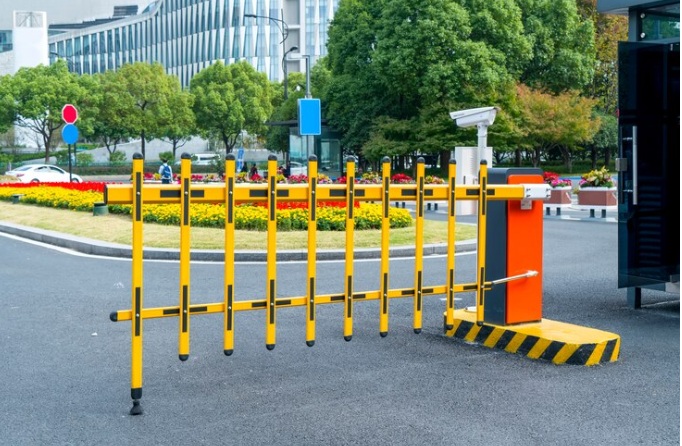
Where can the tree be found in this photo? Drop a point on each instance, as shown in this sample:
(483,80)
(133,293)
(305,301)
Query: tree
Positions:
(145,99)
(405,60)
(181,125)
(562,121)
(7,106)
(229,99)
(563,45)
(110,108)
(40,93)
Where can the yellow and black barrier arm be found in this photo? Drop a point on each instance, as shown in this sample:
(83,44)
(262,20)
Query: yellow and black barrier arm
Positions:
(419,248)
(312,251)
(450,263)
(228,273)
(350,247)
(481,246)
(385,236)
(185,236)
(271,256)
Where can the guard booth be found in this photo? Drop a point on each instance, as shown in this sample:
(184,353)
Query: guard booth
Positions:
(649,146)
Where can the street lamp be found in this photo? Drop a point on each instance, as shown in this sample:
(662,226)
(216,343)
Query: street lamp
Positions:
(284,29)
(298,56)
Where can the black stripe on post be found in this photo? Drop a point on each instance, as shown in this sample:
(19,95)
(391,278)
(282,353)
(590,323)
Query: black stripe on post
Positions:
(419,290)
(258,193)
(387,196)
(185,203)
(185,303)
(408,193)
(273,195)
(452,197)
(420,200)
(311,313)
(230,303)
(351,194)
(138,310)
(171,311)
(201,309)
(481,285)
(384,307)
(230,201)
(349,281)
(313,190)
(138,197)
(484,196)
(272,301)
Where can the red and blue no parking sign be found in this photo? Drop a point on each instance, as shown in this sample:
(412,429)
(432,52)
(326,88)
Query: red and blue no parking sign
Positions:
(70,131)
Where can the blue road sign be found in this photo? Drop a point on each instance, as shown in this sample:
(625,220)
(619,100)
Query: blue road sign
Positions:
(70,134)
(309,117)
(240,159)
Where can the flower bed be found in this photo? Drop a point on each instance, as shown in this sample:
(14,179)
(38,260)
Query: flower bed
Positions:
(597,188)
(331,216)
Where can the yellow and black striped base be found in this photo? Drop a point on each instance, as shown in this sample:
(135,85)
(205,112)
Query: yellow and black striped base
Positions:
(554,341)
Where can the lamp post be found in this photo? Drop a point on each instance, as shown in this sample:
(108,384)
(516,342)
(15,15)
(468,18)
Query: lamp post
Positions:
(284,29)
(297,56)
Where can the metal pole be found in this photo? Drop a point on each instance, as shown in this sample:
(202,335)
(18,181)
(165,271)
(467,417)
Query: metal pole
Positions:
(70,170)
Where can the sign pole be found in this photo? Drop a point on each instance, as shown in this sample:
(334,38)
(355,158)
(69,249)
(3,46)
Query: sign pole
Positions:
(70,170)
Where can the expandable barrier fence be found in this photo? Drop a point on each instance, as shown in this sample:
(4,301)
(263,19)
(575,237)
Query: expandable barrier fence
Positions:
(230,194)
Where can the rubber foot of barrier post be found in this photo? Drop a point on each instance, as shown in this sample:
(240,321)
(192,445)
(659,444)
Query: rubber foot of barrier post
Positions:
(449,327)
(383,334)
(417,330)
(228,352)
(270,346)
(113,316)
(347,338)
(136,409)
(479,323)
(183,357)
(309,343)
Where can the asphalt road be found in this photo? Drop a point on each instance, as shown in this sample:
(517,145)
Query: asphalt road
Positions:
(66,368)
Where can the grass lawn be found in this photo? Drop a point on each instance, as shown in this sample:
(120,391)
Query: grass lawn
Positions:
(118,229)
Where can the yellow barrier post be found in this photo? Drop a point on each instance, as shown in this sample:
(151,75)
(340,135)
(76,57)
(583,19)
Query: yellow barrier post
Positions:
(450,296)
(350,229)
(270,291)
(312,251)
(185,193)
(385,235)
(419,248)
(137,275)
(228,338)
(481,239)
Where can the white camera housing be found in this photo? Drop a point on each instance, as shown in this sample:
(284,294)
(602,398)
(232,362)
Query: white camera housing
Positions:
(474,116)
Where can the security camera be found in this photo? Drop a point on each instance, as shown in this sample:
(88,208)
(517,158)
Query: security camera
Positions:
(474,116)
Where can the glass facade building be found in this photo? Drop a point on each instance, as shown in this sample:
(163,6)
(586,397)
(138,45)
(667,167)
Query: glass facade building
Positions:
(186,36)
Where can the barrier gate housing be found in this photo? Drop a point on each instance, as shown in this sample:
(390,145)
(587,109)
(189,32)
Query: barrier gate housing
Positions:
(230,194)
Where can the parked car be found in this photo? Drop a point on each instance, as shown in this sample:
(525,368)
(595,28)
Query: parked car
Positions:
(42,173)
(297,168)
(202,159)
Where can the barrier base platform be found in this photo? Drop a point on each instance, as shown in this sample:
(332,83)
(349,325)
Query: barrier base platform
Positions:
(554,341)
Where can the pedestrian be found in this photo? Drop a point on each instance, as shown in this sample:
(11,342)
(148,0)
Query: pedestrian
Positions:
(287,170)
(253,171)
(245,168)
(165,172)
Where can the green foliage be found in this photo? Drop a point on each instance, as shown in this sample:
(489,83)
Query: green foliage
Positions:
(39,95)
(229,99)
(117,158)
(168,156)
(84,159)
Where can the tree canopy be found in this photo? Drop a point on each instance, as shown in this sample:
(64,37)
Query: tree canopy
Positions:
(229,99)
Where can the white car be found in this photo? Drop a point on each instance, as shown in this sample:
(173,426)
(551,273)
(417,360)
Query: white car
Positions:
(42,173)
(298,169)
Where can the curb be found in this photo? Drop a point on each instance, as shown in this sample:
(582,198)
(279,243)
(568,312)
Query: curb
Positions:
(558,342)
(99,248)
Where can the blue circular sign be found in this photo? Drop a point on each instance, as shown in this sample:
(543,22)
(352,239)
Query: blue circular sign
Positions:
(70,134)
